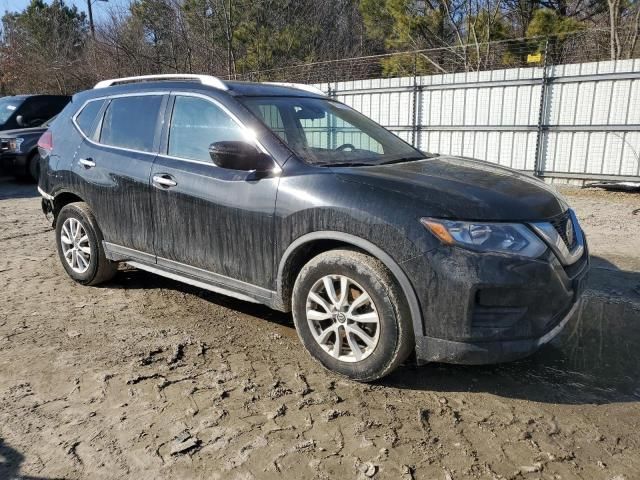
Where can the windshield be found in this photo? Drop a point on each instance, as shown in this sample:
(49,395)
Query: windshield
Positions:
(8,105)
(327,133)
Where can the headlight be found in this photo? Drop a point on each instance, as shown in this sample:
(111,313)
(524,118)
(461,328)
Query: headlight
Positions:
(513,238)
(14,144)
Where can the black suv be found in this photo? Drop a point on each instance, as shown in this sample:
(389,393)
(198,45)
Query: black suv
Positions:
(279,195)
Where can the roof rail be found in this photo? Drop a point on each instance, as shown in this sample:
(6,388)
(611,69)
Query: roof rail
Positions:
(203,79)
(299,86)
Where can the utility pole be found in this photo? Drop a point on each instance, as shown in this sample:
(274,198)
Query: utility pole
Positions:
(91,26)
(90,11)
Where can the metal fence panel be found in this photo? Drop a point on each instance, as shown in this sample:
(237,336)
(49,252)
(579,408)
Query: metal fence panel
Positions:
(589,127)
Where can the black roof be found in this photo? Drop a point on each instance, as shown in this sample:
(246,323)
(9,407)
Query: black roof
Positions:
(254,89)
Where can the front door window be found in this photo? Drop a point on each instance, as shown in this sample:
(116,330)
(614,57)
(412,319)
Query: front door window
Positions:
(196,123)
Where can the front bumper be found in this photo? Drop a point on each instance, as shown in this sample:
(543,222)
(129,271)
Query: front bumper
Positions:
(491,308)
(430,349)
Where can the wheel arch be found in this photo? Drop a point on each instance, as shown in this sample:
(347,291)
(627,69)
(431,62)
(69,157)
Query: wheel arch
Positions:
(62,198)
(311,244)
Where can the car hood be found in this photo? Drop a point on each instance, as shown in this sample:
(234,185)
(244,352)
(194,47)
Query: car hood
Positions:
(22,131)
(462,188)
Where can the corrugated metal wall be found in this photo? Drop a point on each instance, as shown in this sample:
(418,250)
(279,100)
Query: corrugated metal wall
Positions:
(589,127)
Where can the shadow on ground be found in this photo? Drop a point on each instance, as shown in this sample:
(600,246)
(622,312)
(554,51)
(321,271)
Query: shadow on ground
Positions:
(10,462)
(10,188)
(595,359)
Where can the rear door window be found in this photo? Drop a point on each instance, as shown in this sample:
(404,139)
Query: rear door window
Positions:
(196,123)
(52,105)
(130,122)
(35,111)
(86,119)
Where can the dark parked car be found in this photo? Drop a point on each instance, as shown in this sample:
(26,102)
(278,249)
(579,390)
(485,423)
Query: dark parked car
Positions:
(25,111)
(282,196)
(19,151)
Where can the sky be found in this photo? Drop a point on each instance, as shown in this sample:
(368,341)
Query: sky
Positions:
(98,6)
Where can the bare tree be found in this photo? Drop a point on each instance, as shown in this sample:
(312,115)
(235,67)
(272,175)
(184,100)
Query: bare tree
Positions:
(614,23)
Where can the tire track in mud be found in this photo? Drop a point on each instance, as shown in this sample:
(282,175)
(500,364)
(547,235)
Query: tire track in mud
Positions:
(22,235)
(149,378)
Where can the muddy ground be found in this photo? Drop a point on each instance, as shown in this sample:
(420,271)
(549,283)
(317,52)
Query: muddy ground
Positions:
(149,378)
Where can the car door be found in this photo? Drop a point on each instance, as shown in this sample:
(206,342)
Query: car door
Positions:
(211,222)
(114,167)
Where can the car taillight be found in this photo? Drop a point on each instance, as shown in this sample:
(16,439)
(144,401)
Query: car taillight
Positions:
(46,142)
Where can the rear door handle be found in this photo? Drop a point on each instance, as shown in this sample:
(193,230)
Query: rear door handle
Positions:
(164,180)
(87,162)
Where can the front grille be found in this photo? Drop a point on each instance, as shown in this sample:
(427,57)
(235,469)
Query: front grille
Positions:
(4,144)
(567,233)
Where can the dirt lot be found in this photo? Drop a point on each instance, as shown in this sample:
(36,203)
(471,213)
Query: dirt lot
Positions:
(148,378)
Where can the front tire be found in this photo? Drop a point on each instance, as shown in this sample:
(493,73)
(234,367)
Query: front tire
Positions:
(351,315)
(79,242)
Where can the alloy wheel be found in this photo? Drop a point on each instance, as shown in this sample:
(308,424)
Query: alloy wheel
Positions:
(75,245)
(343,318)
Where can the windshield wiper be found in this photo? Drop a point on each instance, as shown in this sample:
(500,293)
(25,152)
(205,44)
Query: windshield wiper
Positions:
(343,164)
(403,159)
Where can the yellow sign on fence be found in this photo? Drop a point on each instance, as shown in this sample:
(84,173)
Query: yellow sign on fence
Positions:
(534,58)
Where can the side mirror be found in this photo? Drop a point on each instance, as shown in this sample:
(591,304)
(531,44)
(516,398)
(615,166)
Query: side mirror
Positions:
(240,156)
(20,121)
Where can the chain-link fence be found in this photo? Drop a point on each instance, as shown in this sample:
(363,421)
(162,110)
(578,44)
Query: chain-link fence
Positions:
(578,47)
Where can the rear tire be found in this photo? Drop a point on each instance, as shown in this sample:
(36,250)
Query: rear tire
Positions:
(34,167)
(79,242)
(351,315)
(31,171)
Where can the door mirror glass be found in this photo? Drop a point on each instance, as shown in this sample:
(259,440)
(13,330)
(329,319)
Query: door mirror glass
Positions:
(238,155)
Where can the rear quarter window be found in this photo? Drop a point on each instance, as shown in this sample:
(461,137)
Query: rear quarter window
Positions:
(86,119)
(130,122)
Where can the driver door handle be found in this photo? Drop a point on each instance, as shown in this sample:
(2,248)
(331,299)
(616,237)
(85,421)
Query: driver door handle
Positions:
(164,180)
(87,162)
